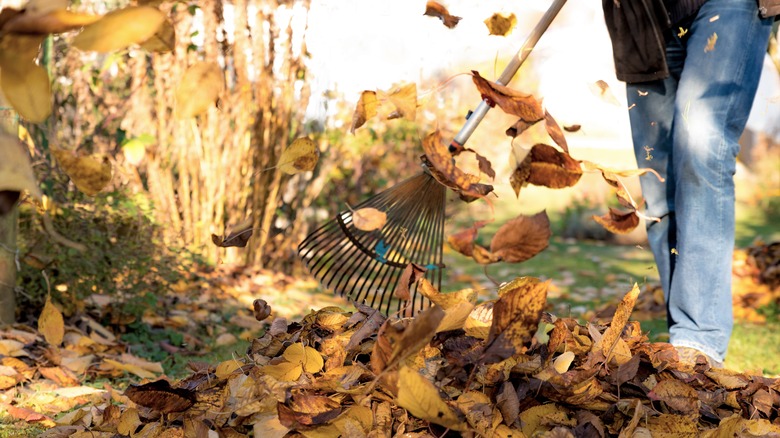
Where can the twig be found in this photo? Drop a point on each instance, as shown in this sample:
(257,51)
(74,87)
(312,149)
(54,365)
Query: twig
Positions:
(59,238)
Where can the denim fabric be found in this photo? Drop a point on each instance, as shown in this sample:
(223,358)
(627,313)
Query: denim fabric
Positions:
(686,128)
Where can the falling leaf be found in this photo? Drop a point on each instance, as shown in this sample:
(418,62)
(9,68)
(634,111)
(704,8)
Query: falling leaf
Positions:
(421,398)
(485,166)
(89,174)
(436,9)
(572,128)
(404,101)
(16,173)
(519,177)
(47,21)
(444,169)
(525,106)
(519,127)
(410,275)
(26,86)
(237,235)
(552,168)
(501,24)
(119,29)
(198,89)
(163,40)
(365,110)
(51,324)
(711,43)
(261,309)
(522,238)
(555,132)
(618,222)
(369,219)
(301,156)
(161,397)
(516,317)
(309,358)
(601,90)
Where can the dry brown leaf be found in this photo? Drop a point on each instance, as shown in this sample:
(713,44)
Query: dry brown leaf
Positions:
(522,238)
(160,396)
(516,317)
(366,109)
(572,128)
(555,132)
(90,174)
(411,274)
(501,23)
(444,169)
(617,221)
(369,219)
(519,177)
(677,395)
(421,398)
(418,334)
(436,9)
(601,90)
(552,168)
(525,106)
(519,127)
(235,235)
(119,29)
(619,320)
(308,410)
(198,89)
(51,324)
(301,156)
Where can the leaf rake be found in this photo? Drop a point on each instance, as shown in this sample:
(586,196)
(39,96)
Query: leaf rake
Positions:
(366,266)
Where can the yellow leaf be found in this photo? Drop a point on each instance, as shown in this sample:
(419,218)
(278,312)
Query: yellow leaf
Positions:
(119,29)
(226,368)
(301,156)
(16,173)
(284,371)
(563,362)
(501,24)
(198,89)
(366,109)
(480,319)
(532,419)
(48,21)
(421,398)
(619,320)
(51,324)
(369,219)
(128,422)
(27,88)
(130,368)
(164,40)
(309,358)
(89,174)
(404,99)
(455,317)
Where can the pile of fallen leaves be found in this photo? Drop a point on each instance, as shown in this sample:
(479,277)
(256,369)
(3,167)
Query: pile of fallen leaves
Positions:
(499,368)
(756,280)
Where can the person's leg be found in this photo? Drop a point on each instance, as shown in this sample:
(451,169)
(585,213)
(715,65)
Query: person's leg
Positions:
(725,47)
(651,113)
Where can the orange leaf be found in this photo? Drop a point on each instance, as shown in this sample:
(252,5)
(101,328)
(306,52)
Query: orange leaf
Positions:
(443,167)
(522,238)
(553,169)
(516,317)
(365,110)
(525,106)
(617,221)
(436,9)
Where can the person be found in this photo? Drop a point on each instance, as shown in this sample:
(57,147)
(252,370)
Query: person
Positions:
(691,69)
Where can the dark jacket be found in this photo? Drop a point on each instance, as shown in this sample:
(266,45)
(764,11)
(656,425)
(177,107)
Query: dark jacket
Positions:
(636,28)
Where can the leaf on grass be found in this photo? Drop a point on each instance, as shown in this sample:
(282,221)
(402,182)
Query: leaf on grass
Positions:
(436,9)
(309,358)
(552,168)
(555,132)
(516,317)
(443,167)
(677,395)
(301,156)
(617,221)
(28,415)
(119,29)
(522,238)
(198,89)
(501,23)
(26,86)
(369,219)
(366,109)
(421,398)
(511,101)
(161,396)
(90,174)
(51,324)
(601,90)
(411,274)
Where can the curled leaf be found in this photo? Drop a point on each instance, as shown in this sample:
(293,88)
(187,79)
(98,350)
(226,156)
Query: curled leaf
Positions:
(525,106)
(366,109)
(555,132)
(553,169)
(436,9)
(618,222)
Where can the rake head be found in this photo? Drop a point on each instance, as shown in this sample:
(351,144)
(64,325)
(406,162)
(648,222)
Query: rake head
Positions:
(366,266)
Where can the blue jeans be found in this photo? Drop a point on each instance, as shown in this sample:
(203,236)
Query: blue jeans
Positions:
(686,128)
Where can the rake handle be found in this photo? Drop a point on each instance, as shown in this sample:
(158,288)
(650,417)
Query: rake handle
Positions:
(509,72)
